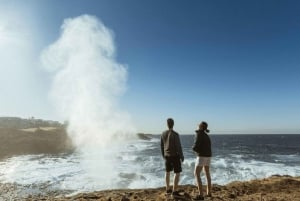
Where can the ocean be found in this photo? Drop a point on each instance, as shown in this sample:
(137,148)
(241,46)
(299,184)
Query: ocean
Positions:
(138,163)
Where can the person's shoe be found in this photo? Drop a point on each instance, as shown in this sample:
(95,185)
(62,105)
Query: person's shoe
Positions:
(169,192)
(208,195)
(175,194)
(199,198)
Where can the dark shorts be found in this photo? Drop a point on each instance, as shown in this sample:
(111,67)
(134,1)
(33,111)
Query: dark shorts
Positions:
(173,163)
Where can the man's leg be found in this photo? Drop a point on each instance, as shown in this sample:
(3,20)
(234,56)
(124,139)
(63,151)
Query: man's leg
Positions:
(197,173)
(167,178)
(177,170)
(176,181)
(208,178)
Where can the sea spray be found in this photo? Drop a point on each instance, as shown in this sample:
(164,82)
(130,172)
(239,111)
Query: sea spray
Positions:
(87,85)
(139,164)
(88,81)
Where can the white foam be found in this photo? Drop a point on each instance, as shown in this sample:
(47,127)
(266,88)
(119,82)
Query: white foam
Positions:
(133,169)
(293,158)
(228,170)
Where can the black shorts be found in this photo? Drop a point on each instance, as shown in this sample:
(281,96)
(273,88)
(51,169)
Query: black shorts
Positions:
(173,163)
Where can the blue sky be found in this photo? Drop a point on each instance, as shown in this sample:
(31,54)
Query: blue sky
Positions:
(234,64)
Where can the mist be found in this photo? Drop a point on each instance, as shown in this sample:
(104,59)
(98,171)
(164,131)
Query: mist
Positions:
(86,89)
(88,82)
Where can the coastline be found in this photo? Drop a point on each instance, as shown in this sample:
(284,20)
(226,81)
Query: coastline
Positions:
(53,140)
(275,188)
(42,140)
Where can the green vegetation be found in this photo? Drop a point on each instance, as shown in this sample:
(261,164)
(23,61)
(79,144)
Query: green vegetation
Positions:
(19,123)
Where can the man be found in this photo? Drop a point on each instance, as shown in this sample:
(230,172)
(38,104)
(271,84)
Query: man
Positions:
(172,153)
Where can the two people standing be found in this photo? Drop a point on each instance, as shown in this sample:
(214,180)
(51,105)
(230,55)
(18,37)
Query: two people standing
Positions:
(172,153)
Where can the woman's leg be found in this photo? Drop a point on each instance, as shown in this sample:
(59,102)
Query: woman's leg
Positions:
(197,173)
(208,178)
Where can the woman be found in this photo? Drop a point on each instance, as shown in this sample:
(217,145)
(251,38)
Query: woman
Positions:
(202,147)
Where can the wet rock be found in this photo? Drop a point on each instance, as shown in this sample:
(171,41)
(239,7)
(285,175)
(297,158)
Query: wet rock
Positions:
(217,188)
(232,195)
(124,198)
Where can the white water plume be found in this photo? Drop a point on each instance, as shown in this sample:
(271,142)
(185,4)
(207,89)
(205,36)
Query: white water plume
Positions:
(88,82)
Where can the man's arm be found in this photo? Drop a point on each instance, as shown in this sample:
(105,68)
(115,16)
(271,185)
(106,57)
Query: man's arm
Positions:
(179,148)
(162,146)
